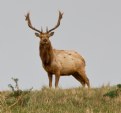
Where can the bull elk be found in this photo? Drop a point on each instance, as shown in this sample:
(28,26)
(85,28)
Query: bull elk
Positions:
(59,62)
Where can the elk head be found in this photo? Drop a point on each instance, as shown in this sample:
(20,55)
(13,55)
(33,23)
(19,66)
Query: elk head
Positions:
(44,36)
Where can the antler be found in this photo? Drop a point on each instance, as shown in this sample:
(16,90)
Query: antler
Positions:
(29,23)
(58,23)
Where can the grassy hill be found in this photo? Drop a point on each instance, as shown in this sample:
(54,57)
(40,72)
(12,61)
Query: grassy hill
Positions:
(76,100)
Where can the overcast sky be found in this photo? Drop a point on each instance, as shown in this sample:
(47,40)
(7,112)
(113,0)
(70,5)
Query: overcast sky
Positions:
(91,27)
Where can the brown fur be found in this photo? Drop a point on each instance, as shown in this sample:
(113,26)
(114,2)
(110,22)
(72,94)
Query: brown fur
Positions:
(59,62)
(62,63)
(46,54)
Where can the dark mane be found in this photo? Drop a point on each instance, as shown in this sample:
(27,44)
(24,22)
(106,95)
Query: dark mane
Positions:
(46,54)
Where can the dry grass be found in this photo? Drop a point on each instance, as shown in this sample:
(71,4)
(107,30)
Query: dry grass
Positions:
(76,100)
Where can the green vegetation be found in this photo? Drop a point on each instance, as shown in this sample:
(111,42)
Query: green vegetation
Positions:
(75,100)
(114,93)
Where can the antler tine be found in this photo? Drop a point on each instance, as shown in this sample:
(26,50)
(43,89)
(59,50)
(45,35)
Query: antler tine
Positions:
(58,23)
(27,18)
(41,29)
(47,29)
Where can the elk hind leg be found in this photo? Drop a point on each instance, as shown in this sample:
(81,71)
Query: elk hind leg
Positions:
(78,77)
(84,77)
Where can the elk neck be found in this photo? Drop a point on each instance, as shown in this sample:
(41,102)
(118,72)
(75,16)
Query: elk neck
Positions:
(46,53)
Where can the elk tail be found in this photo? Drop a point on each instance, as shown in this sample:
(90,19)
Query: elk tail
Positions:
(84,61)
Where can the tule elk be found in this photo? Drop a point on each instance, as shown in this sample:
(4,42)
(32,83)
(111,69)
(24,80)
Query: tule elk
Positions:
(59,62)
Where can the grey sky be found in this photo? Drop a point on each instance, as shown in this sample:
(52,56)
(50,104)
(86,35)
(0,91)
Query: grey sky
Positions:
(91,27)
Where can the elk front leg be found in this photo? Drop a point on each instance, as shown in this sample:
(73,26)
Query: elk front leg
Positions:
(50,79)
(57,77)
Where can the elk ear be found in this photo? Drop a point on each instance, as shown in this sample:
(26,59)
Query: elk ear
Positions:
(51,34)
(37,34)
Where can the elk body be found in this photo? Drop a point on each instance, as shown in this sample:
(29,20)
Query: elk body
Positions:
(59,62)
